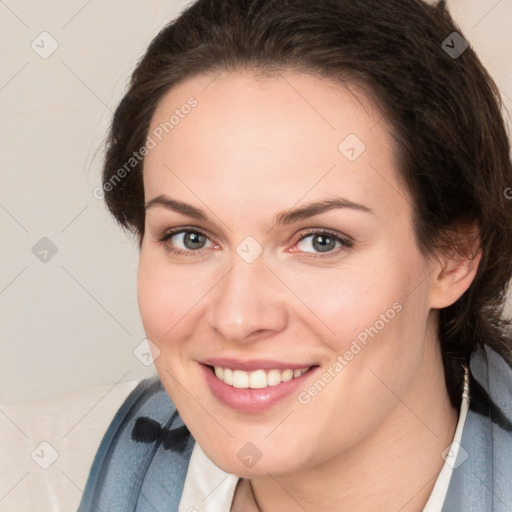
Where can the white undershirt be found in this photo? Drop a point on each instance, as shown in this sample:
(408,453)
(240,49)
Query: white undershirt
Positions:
(208,488)
(438,494)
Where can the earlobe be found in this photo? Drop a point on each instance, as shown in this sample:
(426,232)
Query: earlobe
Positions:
(455,270)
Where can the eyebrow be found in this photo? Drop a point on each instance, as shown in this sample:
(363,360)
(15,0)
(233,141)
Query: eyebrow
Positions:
(286,217)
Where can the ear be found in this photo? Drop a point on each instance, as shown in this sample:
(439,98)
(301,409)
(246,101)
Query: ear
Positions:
(455,268)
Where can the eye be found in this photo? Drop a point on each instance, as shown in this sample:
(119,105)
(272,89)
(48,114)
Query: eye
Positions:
(318,243)
(185,242)
(323,243)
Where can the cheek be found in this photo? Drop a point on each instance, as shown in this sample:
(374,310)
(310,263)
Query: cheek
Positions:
(343,301)
(165,297)
(371,316)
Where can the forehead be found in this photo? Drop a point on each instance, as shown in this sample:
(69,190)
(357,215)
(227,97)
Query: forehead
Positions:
(272,139)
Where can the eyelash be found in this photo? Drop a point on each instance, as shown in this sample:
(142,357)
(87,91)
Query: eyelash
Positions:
(346,243)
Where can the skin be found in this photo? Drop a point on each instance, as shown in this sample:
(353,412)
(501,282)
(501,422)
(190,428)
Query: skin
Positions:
(251,148)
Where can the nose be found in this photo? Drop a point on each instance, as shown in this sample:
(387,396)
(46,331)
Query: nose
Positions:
(248,303)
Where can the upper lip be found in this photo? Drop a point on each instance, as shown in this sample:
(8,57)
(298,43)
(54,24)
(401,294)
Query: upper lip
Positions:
(253,364)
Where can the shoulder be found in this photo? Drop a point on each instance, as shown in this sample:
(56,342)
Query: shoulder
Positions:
(145,444)
(491,387)
(482,472)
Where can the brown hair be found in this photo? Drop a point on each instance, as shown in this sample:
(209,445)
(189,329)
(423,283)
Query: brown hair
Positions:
(444,110)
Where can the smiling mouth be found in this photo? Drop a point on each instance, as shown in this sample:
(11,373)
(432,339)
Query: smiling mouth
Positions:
(257,379)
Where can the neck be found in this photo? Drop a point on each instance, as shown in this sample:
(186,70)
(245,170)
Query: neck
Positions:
(393,469)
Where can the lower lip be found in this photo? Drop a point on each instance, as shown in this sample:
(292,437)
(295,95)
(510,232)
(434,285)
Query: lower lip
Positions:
(253,400)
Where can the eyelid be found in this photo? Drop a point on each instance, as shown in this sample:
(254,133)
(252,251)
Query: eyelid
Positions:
(346,243)
(312,231)
(166,234)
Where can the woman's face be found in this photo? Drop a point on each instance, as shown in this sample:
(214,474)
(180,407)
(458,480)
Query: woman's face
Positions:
(342,289)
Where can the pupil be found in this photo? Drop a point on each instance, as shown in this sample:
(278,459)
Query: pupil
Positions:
(320,244)
(193,240)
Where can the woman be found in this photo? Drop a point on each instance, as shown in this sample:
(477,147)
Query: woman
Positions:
(319,195)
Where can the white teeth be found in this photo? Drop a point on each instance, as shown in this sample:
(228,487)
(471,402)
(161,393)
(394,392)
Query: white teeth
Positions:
(257,379)
(287,375)
(228,376)
(240,379)
(274,378)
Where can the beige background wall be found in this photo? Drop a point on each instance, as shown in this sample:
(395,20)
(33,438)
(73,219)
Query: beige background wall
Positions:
(72,321)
